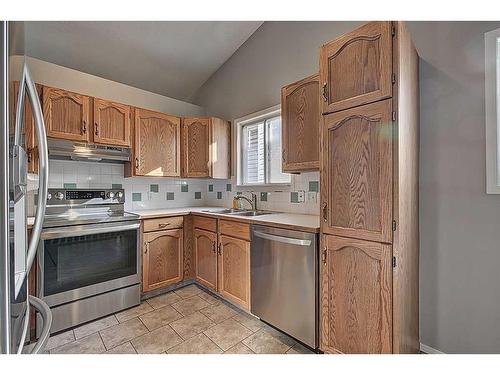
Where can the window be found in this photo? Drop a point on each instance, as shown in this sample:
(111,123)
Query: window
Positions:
(492,108)
(259,149)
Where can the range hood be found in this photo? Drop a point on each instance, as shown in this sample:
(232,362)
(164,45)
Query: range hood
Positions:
(71,150)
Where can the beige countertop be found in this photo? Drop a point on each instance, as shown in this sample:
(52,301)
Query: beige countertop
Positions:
(308,223)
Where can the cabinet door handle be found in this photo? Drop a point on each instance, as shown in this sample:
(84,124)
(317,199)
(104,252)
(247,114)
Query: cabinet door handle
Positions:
(146,245)
(213,246)
(325,93)
(136,163)
(325,212)
(220,249)
(96,128)
(163,225)
(84,127)
(323,256)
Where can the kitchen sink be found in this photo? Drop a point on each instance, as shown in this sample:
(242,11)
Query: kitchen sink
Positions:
(251,213)
(234,211)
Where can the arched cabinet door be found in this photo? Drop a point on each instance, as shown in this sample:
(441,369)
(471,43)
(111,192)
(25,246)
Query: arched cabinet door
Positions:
(355,296)
(162,259)
(196,143)
(356,68)
(66,114)
(205,247)
(111,123)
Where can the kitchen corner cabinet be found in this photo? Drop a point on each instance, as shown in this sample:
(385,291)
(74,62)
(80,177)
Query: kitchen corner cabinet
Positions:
(300,121)
(206,150)
(111,123)
(66,114)
(356,68)
(162,260)
(157,142)
(369,195)
(205,249)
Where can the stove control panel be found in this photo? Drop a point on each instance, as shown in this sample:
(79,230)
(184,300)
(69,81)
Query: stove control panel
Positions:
(85,196)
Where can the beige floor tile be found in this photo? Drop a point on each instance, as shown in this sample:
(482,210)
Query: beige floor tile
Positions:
(251,322)
(262,342)
(209,298)
(133,312)
(95,326)
(87,345)
(159,318)
(126,348)
(287,340)
(218,313)
(239,348)
(190,305)
(228,333)
(188,291)
(157,341)
(123,332)
(299,349)
(199,344)
(163,300)
(60,339)
(191,325)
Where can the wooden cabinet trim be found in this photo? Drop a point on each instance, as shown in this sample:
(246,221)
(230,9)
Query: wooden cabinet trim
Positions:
(100,104)
(206,223)
(192,155)
(234,229)
(162,223)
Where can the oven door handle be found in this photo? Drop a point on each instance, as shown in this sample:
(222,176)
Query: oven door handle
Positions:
(84,230)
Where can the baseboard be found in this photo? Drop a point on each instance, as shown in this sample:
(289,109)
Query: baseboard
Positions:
(429,349)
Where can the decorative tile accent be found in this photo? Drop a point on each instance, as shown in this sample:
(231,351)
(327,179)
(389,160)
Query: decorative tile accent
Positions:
(263,196)
(239,193)
(228,187)
(116,186)
(184,188)
(69,185)
(153,188)
(294,197)
(314,186)
(210,187)
(170,196)
(136,197)
(219,195)
(197,195)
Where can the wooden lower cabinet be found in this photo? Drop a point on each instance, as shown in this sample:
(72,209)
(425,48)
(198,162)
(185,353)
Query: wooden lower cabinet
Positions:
(355,296)
(234,270)
(205,249)
(162,259)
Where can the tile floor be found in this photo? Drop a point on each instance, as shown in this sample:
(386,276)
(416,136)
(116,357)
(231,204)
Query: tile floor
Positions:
(185,321)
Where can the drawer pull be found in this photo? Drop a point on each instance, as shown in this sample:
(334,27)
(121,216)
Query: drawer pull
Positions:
(163,225)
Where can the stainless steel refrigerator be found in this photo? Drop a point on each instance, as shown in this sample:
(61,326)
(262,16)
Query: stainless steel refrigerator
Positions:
(17,251)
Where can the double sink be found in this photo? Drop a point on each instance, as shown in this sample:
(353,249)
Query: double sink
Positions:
(238,212)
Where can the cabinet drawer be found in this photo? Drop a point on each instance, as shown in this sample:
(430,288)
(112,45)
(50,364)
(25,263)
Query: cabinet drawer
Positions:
(235,229)
(206,223)
(163,223)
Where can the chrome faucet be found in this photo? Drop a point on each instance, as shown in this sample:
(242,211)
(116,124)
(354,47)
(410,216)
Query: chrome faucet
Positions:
(252,202)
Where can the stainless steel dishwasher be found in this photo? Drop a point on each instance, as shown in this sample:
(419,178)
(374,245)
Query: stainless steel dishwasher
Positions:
(284,269)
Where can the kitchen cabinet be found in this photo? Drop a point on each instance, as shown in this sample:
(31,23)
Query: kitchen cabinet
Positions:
(162,260)
(300,123)
(205,247)
(206,147)
(357,172)
(111,123)
(369,192)
(157,142)
(356,68)
(356,296)
(66,114)
(234,270)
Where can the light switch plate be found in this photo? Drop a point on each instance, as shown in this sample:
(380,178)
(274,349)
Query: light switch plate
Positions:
(311,196)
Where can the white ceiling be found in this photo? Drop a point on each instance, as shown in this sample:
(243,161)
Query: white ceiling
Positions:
(169,58)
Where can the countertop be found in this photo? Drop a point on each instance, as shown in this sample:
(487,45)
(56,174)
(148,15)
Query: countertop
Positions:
(307,223)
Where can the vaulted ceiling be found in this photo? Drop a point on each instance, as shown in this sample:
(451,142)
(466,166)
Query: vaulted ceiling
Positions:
(169,58)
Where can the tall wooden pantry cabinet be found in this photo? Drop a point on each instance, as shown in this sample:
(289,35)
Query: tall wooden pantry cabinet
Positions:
(369,192)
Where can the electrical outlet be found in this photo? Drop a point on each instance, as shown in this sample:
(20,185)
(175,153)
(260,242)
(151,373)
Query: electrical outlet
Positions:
(301,196)
(312,196)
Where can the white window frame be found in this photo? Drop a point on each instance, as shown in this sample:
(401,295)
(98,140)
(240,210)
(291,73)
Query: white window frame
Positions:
(239,123)
(492,109)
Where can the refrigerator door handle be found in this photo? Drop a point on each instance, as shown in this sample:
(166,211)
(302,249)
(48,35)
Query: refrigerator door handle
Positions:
(43,168)
(44,310)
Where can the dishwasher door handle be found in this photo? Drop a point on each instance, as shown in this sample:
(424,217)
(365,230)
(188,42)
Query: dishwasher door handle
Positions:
(288,240)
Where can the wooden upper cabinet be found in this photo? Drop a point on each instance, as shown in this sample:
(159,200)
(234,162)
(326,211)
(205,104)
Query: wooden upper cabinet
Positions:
(205,248)
(356,68)
(300,125)
(356,198)
(234,270)
(66,114)
(206,147)
(157,144)
(355,296)
(162,260)
(111,123)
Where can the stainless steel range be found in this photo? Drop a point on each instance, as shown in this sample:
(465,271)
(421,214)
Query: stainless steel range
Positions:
(88,256)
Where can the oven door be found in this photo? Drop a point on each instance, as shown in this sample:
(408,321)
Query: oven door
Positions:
(80,261)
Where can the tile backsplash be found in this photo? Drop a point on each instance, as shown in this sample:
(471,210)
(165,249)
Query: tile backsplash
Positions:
(151,193)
